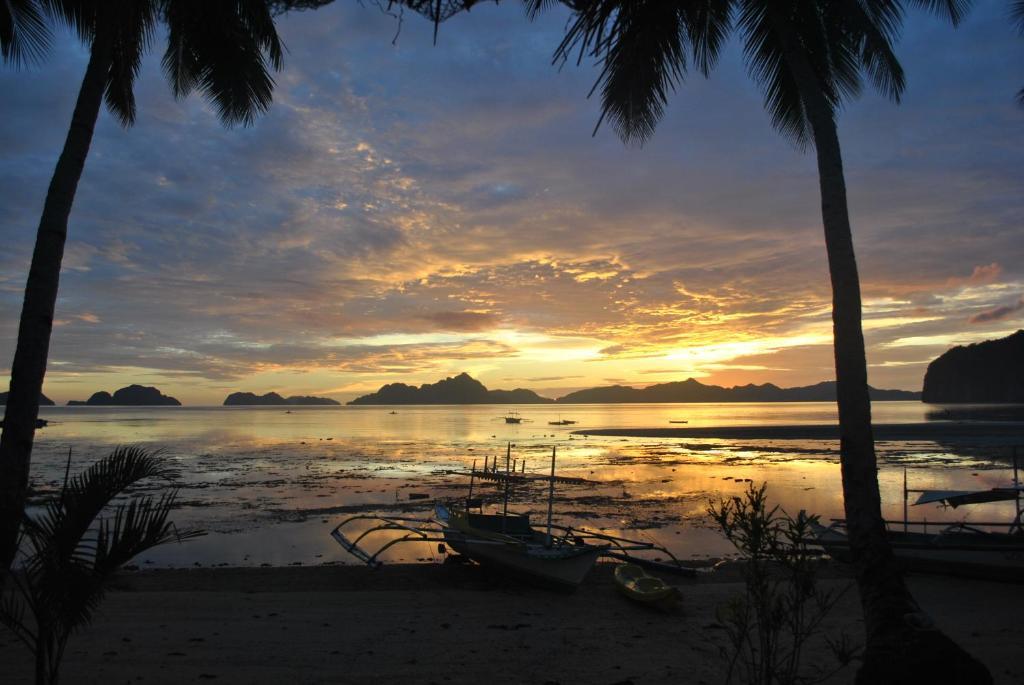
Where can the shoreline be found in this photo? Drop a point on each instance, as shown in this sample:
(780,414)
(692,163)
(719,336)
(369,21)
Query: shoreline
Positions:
(455,623)
(990,432)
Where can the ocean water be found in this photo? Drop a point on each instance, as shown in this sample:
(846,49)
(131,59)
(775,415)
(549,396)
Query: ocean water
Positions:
(269,483)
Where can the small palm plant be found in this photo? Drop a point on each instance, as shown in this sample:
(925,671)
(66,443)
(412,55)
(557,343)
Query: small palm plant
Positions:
(71,551)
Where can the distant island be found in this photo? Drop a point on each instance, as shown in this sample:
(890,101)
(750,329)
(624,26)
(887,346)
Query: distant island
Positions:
(985,372)
(692,390)
(130,396)
(248,399)
(44,401)
(463,389)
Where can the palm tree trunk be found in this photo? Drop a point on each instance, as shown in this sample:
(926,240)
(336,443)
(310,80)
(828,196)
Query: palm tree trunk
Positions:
(902,646)
(37,310)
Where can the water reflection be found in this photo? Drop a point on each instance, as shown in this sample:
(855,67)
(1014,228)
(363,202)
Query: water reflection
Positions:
(269,484)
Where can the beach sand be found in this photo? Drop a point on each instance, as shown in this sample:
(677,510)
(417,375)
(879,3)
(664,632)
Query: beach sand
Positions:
(454,624)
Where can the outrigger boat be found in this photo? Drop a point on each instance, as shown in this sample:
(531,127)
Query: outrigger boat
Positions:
(957,547)
(512,417)
(553,555)
(562,422)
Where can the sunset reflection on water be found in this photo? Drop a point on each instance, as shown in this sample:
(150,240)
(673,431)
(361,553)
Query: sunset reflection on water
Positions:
(270,483)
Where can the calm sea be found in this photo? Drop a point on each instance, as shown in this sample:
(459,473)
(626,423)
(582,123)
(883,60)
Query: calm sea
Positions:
(269,483)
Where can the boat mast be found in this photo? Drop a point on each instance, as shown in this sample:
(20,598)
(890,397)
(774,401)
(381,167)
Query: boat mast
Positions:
(906,493)
(472,475)
(551,493)
(504,511)
(1016,487)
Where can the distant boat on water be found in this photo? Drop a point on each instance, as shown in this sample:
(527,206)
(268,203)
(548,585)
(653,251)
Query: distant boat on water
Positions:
(512,417)
(678,421)
(562,422)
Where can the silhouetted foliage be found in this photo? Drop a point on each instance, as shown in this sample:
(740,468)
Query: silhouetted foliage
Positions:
(782,607)
(71,551)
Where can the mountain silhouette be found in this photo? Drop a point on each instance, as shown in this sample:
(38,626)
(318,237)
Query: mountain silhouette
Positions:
(273,399)
(44,401)
(129,396)
(461,389)
(692,390)
(990,371)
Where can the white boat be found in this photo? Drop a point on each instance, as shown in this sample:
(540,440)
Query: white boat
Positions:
(511,544)
(974,549)
(551,554)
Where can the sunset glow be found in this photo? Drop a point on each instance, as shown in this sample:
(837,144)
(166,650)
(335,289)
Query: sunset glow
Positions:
(407,212)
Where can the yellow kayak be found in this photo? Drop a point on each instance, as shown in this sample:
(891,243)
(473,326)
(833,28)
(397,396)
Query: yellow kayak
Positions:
(635,583)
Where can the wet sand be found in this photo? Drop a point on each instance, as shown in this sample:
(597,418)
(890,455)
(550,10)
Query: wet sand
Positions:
(987,432)
(453,624)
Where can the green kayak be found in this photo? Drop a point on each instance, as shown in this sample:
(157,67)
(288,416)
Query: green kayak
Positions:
(638,585)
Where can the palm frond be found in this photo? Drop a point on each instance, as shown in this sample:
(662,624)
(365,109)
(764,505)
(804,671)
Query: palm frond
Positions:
(14,611)
(875,24)
(708,25)
(767,66)
(226,51)
(954,10)
(89,492)
(642,48)
(70,552)
(132,30)
(24,34)
(136,527)
(77,15)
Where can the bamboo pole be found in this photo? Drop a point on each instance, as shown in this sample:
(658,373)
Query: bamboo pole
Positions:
(504,510)
(906,494)
(1016,485)
(551,494)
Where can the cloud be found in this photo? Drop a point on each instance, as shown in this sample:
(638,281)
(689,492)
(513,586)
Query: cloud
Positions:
(462,321)
(398,215)
(998,313)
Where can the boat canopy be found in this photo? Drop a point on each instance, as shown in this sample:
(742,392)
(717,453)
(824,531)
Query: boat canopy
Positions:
(955,498)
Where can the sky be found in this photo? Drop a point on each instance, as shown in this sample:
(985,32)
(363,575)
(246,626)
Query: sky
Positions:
(406,212)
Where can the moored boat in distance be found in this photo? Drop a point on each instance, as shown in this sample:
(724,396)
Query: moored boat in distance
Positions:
(563,422)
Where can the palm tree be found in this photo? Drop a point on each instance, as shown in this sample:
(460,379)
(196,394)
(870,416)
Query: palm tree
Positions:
(72,552)
(809,56)
(225,50)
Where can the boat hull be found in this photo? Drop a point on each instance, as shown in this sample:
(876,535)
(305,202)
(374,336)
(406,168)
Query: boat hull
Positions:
(509,544)
(531,562)
(992,556)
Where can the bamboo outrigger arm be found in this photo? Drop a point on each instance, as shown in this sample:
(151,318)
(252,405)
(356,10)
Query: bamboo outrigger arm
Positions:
(395,523)
(622,547)
(413,534)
